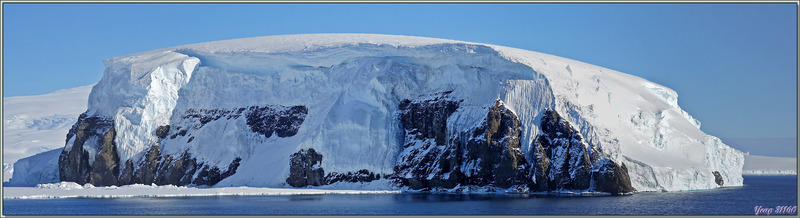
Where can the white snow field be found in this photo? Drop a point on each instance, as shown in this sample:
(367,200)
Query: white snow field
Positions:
(39,123)
(352,84)
(761,165)
(74,190)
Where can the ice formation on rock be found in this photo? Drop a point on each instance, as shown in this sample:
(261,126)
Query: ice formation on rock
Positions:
(343,96)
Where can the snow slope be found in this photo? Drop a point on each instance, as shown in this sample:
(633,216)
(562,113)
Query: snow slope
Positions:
(352,84)
(35,124)
(762,165)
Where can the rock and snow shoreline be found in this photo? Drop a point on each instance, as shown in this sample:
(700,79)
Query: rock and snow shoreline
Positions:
(74,190)
(205,114)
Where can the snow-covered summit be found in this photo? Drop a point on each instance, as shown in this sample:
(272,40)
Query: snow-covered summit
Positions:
(304,42)
(217,105)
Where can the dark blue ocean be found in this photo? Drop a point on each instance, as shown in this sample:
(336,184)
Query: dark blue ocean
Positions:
(764,191)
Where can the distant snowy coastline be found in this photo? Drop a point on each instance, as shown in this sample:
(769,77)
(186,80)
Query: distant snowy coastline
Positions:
(769,172)
(37,124)
(762,165)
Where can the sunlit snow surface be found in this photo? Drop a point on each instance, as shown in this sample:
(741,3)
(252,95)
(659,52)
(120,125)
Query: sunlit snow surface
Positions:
(352,84)
(35,124)
(761,165)
(74,190)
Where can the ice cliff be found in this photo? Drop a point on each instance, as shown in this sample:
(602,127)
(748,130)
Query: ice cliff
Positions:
(300,110)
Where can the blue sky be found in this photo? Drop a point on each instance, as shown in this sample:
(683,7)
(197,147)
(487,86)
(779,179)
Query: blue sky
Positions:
(733,65)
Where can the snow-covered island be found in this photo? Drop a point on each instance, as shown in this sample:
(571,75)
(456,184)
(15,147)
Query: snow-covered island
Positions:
(334,111)
(762,165)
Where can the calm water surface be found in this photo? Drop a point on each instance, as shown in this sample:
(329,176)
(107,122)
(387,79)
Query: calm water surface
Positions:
(765,191)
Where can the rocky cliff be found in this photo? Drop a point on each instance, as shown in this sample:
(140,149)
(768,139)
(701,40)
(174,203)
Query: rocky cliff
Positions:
(310,110)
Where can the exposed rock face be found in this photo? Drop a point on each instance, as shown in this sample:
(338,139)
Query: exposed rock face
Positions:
(126,177)
(427,118)
(155,168)
(146,172)
(341,94)
(359,176)
(501,149)
(426,151)
(284,121)
(612,178)
(179,170)
(106,168)
(565,161)
(212,175)
(162,131)
(566,152)
(92,157)
(489,154)
(718,178)
(304,169)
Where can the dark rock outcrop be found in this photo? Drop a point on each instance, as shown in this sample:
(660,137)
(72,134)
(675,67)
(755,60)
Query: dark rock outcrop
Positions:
(304,169)
(426,150)
(718,178)
(612,178)
(283,121)
(162,131)
(566,152)
(155,168)
(180,133)
(146,172)
(486,155)
(490,155)
(126,177)
(92,155)
(427,117)
(106,168)
(359,176)
(499,152)
(178,170)
(564,161)
(204,116)
(212,175)
(93,140)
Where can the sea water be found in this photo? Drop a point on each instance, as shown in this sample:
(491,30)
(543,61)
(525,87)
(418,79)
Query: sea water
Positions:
(776,195)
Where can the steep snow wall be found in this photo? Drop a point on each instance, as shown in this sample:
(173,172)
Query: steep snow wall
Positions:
(36,169)
(352,84)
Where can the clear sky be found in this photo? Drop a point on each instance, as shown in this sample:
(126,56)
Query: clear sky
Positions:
(734,66)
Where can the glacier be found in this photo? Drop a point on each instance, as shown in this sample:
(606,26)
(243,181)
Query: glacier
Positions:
(191,113)
(38,123)
(763,165)
(36,169)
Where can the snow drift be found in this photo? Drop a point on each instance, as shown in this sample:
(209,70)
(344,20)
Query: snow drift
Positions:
(325,108)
